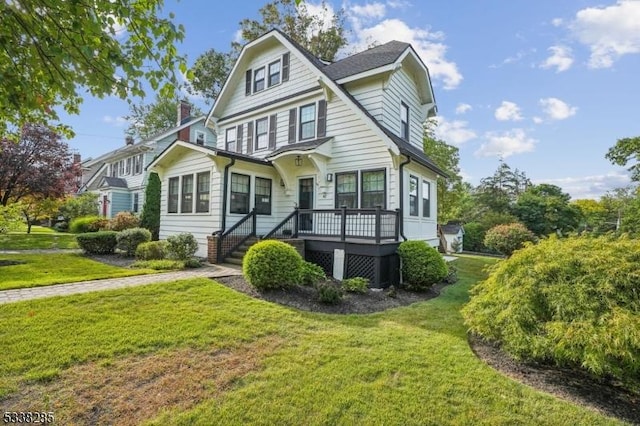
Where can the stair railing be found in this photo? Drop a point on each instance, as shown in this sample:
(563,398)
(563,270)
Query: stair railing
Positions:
(288,228)
(235,236)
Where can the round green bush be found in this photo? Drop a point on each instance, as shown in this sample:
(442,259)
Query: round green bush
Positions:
(329,293)
(85,224)
(101,242)
(356,285)
(574,302)
(508,238)
(152,250)
(272,264)
(422,265)
(129,239)
(182,246)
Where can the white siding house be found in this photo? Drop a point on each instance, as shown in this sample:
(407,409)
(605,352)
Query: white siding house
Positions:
(341,142)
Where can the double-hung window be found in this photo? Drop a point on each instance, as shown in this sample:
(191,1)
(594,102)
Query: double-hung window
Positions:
(258,80)
(202,192)
(239,193)
(136,202)
(413,196)
(404,121)
(308,121)
(373,189)
(347,190)
(199,137)
(274,73)
(172,202)
(262,133)
(231,139)
(426,199)
(128,166)
(263,196)
(186,202)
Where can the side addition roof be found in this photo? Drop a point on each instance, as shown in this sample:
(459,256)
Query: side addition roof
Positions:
(375,57)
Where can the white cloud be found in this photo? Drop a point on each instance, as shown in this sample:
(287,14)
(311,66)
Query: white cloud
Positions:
(589,186)
(370,10)
(556,22)
(428,44)
(519,56)
(506,144)
(463,108)
(537,120)
(609,32)
(508,111)
(398,4)
(555,109)
(453,132)
(323,10)
(560,58)
(118,121)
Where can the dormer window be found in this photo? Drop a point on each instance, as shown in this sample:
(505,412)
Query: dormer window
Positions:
(258,80)
(404,121)
(274,73)
(199,137)
(231,139)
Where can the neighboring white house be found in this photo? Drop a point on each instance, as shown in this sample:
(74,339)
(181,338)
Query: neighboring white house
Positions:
(293,131)
(453,234)
(120,177)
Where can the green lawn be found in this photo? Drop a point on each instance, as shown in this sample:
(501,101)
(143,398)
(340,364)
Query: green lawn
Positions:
(56,268)
(257,362)
(40,238)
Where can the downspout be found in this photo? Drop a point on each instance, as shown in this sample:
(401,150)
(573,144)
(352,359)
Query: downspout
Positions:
(402,197)
(225,191)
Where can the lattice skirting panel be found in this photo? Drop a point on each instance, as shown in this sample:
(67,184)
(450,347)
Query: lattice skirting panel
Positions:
(361,266)
(324,259)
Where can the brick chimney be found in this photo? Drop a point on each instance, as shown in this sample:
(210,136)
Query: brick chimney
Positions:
(128,140)
(184,111)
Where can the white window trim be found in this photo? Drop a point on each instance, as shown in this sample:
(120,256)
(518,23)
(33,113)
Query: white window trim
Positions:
(264,79)
(268,76)
(315,121)
(426,184)
(194,194)
(255,126)
(405,107)
(226,138)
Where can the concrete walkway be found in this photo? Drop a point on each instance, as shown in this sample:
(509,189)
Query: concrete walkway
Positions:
(211,271)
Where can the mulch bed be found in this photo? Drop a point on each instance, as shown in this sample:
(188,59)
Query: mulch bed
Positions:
(574,385)
(304,298)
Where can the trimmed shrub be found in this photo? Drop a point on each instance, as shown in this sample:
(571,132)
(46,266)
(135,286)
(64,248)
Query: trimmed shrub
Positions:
(182,246)
(508,238)
(329,293)
(573,301)
(311,274)
(152,250)
(101,242)
(124,220)
(61,226)
(192,263)
(129,239)
(150,217)
(452,274)
(272,264)
(159,264)
(356,285)
(85,224)
(422,265)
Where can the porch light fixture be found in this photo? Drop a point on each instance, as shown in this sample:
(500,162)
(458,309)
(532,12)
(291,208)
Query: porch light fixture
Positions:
(329,177)
(298,160)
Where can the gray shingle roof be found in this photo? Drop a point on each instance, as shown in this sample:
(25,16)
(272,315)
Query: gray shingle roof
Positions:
(115,182)
(370,59)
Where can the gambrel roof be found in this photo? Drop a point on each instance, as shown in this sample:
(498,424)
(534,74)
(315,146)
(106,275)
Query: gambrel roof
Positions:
(384,58)
(368,60)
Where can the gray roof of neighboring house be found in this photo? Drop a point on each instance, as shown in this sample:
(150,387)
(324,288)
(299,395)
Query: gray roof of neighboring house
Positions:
(114,182)
(370,59)
(303,146)
(451,228)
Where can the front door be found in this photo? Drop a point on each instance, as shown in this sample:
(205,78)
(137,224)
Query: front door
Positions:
(305,201)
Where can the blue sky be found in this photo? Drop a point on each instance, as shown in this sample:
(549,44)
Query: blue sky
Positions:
(548,86)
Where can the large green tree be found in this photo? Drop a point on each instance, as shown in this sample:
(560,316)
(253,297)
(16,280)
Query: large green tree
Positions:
(545,209)
(150,218)
(624,151)
(322,35)
(53,52)
(500,191)
(146,120)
